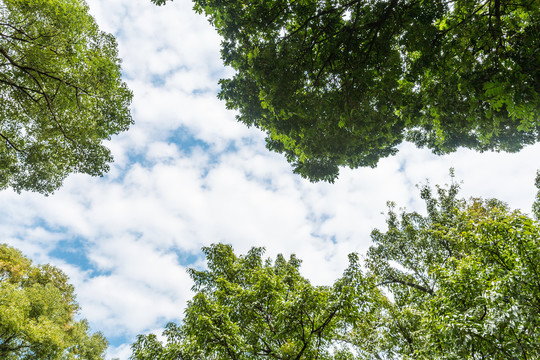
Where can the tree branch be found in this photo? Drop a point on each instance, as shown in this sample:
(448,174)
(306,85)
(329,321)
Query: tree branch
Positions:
(12,144)
(38,83)
(407,283)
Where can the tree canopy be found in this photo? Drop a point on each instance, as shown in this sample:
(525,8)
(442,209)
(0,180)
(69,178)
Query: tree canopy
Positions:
(61,94)
(459,282)
(37,310)
(464,280)
(342,83)
(249,308)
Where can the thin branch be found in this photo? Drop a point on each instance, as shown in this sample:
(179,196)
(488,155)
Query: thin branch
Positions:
(24,89)
(27,70)
(407,283)
(12,144)
(38,83)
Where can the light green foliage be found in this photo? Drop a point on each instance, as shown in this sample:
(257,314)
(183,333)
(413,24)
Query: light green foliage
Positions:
(61,93)
(37,309)
(342,83)
(247,308)
(463,281)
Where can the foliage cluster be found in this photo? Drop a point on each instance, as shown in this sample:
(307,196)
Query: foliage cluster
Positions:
(462,282)
(61,94)
(37,314)
(343,82)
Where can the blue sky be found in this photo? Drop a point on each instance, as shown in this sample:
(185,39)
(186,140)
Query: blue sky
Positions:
(187,175)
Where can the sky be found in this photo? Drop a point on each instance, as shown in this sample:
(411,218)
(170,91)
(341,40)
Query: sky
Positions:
(187,175)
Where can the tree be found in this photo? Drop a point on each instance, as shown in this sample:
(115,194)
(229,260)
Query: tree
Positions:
(37,309)
(61,94)
(464,280)
(343,82)
(246,308)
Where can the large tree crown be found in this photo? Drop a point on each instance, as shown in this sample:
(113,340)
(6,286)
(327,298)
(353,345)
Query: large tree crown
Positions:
(61,94)
(343,83)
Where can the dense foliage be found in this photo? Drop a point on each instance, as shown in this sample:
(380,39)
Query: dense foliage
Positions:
(464,280)
(342,83)
(61,93)
(37,310)
(461,282)
(247,308)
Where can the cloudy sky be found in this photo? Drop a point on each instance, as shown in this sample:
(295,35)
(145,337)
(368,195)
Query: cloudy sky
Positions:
(187,175)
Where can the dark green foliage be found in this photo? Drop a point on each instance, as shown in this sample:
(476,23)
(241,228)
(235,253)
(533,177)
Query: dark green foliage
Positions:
(61,94)
(342,83)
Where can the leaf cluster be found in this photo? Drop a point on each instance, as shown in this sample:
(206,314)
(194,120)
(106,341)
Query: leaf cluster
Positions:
(37,314)
(61,94)
(249,308)
(460,282)
(464,280)
(343,82)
